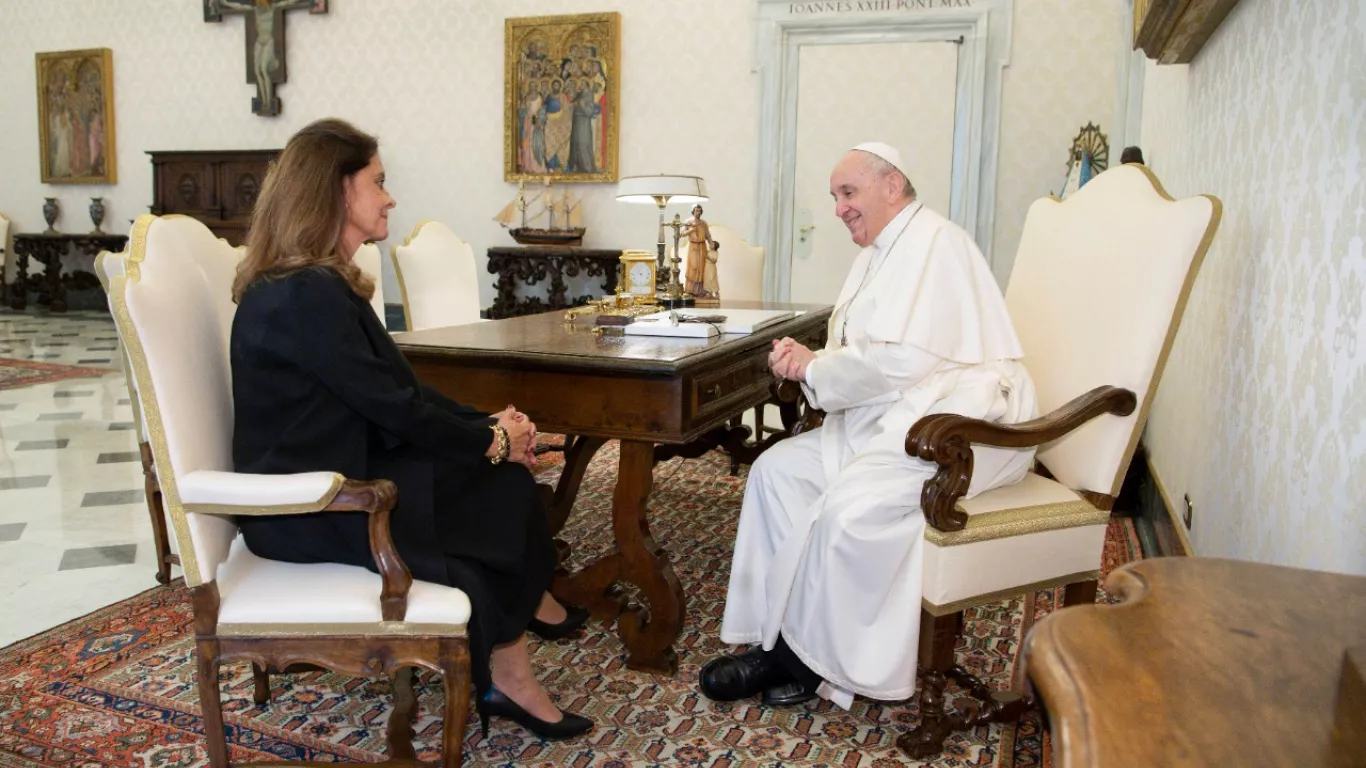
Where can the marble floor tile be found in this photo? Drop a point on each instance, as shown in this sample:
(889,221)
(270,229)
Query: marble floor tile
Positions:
(74,529)
(96,557)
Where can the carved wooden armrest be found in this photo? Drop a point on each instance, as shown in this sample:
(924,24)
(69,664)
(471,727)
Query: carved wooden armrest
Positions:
(947,438)
(230,493)
(377,498)
(797,414)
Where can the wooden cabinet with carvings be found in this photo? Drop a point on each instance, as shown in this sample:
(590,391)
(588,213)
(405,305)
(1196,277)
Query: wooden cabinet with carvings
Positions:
(217,187)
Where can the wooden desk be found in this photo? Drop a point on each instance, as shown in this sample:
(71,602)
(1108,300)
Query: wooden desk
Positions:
(641,390)
(528,265)
(48,249)
(1207,662)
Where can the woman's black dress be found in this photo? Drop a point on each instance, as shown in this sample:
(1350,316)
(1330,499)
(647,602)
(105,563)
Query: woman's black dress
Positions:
(318,385)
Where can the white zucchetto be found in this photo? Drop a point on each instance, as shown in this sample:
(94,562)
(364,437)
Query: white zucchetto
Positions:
(886,152)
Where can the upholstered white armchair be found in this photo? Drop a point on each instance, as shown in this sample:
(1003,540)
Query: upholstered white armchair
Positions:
(169,307)
(1097,293)
(1099,286)
(4,261)
(368,259)
(437,278)
(107,267)
(739,265)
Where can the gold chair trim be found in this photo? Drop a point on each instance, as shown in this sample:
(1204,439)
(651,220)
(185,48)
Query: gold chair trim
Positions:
(274,509)
(151,410)
(1003,594)
(1173,325)
(328,629)
(398,272)
(1018,521)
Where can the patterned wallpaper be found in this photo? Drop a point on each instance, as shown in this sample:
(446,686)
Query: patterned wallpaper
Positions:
(1261,416)
(1061,76)
(426,76)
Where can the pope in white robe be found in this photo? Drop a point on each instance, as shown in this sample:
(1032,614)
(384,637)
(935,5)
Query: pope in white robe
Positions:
(828,557)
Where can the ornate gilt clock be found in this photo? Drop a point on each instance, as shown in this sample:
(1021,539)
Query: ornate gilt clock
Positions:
(638,269)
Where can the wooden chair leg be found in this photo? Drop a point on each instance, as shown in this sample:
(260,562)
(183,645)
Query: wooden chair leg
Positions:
(157,512)
(260,676)
(1080,593)
(211,705)
(455,673)
(938,636)
(400,733)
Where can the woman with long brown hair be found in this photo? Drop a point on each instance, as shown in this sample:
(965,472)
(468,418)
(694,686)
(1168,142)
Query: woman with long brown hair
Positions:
(318,385)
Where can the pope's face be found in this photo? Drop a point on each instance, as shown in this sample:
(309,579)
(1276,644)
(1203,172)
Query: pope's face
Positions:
(864,201)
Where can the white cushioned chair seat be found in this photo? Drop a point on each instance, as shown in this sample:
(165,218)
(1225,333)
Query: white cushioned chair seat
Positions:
(1030,532)
(255,591)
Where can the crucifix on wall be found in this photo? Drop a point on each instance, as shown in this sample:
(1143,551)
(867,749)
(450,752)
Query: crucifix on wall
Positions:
(265,42)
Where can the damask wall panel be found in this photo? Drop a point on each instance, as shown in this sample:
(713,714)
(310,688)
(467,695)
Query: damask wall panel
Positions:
(1061,76)
(425,75)
(1261,416)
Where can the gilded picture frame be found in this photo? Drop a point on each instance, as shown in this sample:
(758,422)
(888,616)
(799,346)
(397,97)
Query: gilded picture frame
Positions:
(76,117)
(562,98)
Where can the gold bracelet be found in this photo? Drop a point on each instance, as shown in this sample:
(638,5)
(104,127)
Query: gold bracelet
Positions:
(504,446)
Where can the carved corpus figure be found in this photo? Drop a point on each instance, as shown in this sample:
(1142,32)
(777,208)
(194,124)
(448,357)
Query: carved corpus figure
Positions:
(265,34)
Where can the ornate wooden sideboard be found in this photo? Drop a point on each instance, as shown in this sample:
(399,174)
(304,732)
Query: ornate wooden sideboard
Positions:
(48,249)
(527,266)
(217,187)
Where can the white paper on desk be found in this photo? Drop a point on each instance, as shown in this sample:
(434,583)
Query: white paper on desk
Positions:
(661,324)
(738,321)
(742,321)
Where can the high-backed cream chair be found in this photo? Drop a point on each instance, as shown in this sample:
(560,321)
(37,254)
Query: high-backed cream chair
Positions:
(1096,365)
(4,260)
(739,265)
(107,267)
(345,618)
(437,278)
(1120,235)
(368,259)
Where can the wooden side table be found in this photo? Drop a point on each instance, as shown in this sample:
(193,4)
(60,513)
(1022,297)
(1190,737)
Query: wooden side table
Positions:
(529,265)
(1206,662)
(48,249)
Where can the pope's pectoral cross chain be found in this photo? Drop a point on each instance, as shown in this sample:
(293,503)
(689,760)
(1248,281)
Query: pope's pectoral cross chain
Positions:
(265,42)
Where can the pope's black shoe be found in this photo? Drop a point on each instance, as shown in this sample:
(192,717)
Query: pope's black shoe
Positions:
(787,694)
(740,676)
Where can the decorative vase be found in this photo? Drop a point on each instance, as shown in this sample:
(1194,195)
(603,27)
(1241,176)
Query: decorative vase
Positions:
(50,213)
(97,213)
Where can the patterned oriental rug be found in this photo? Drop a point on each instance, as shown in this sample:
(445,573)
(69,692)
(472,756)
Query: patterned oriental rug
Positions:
(23,373)
(117,688)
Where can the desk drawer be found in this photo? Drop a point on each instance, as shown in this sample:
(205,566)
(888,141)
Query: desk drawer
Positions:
(716,389)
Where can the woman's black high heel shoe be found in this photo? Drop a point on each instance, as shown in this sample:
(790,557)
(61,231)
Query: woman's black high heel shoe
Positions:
(495,702)
(575,617)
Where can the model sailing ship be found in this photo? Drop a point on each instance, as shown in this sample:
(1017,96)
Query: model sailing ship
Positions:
(545,219)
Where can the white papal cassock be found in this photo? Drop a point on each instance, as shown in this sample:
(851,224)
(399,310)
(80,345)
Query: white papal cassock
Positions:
(829,550)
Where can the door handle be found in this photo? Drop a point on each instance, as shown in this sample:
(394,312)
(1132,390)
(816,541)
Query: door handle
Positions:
(804,230)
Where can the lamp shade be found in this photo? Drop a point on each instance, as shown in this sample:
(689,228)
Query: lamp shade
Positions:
(661,190)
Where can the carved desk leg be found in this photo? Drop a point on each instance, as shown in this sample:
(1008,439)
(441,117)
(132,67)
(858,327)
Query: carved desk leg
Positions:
(648,631)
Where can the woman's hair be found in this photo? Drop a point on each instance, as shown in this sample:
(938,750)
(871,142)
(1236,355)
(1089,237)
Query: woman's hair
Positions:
(301,210)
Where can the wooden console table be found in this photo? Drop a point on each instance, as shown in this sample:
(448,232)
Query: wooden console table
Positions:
(530,265)
(48,250)
(1207,662)
(643,390)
